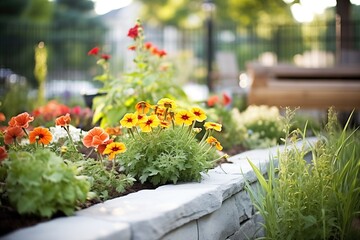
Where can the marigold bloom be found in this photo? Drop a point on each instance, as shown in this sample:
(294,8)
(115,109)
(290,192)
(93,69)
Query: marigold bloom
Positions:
(148,45)
(184,117)
(63,121)
(199,114)
(142,107)
(164,124)
(140,118)
(167,103)
(114,148)
(133,32)
(214,142)
(40,135)
(212,100)
(212,125)
(95,137)
(151,122)
(113,131)
(22,120)
(101,148)
(2,117)
(94,51)
(3,153)
(129,120)
(12,133)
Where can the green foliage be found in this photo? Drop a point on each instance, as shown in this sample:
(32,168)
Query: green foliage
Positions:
(173,157)
(242,12)
(262,124)
(311,201)
(12,102)
(41,183)
(150,80)
(106,182)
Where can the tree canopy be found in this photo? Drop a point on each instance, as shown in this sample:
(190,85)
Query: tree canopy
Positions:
(244,12)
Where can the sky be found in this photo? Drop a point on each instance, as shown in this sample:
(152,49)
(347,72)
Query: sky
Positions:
(105,6)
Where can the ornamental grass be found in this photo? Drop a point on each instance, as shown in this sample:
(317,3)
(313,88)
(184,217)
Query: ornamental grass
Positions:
(320,200)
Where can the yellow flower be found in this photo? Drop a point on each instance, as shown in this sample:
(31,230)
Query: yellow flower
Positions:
(114,148)
(150,122)
(140,118)
(214,142)
(142,107)
(184,117)
(167,103)
(129,120)
(212,125)
(200,115)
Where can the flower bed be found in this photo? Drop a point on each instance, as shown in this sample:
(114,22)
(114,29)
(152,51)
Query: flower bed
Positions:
(216,208)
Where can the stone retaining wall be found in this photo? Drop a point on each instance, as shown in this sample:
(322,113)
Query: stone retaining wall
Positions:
(216,208)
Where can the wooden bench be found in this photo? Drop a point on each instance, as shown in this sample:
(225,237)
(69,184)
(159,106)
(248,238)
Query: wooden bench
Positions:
(307,88)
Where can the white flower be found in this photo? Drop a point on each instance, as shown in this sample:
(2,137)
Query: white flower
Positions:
(59,132)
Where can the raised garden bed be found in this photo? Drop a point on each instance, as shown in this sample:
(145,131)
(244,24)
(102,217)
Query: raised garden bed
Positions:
(216,208)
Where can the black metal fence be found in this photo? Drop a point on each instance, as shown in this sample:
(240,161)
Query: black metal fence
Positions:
(312,44)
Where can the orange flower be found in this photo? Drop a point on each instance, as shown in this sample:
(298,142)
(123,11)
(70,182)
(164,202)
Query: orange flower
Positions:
(113,131)
(40,135)
(151,122)
(95,137)
(214,142)
(12,122)
(63,121)
(184,117)
(212,101)
(164,124)
(142,107)
(199,114)
(212,125)
(22,120)
(12,133)
(114,148)
(3,153)
(102,147)
(2,117)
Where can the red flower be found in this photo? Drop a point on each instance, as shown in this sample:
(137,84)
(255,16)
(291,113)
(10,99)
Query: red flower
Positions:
(134,32)
(94,51)
(102,147)
(12,133)
(226,99)
(76,110)
(63,121)
(132,47)
(161,53)
(105,56)
(3,153)
(148,45)
(212,100)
